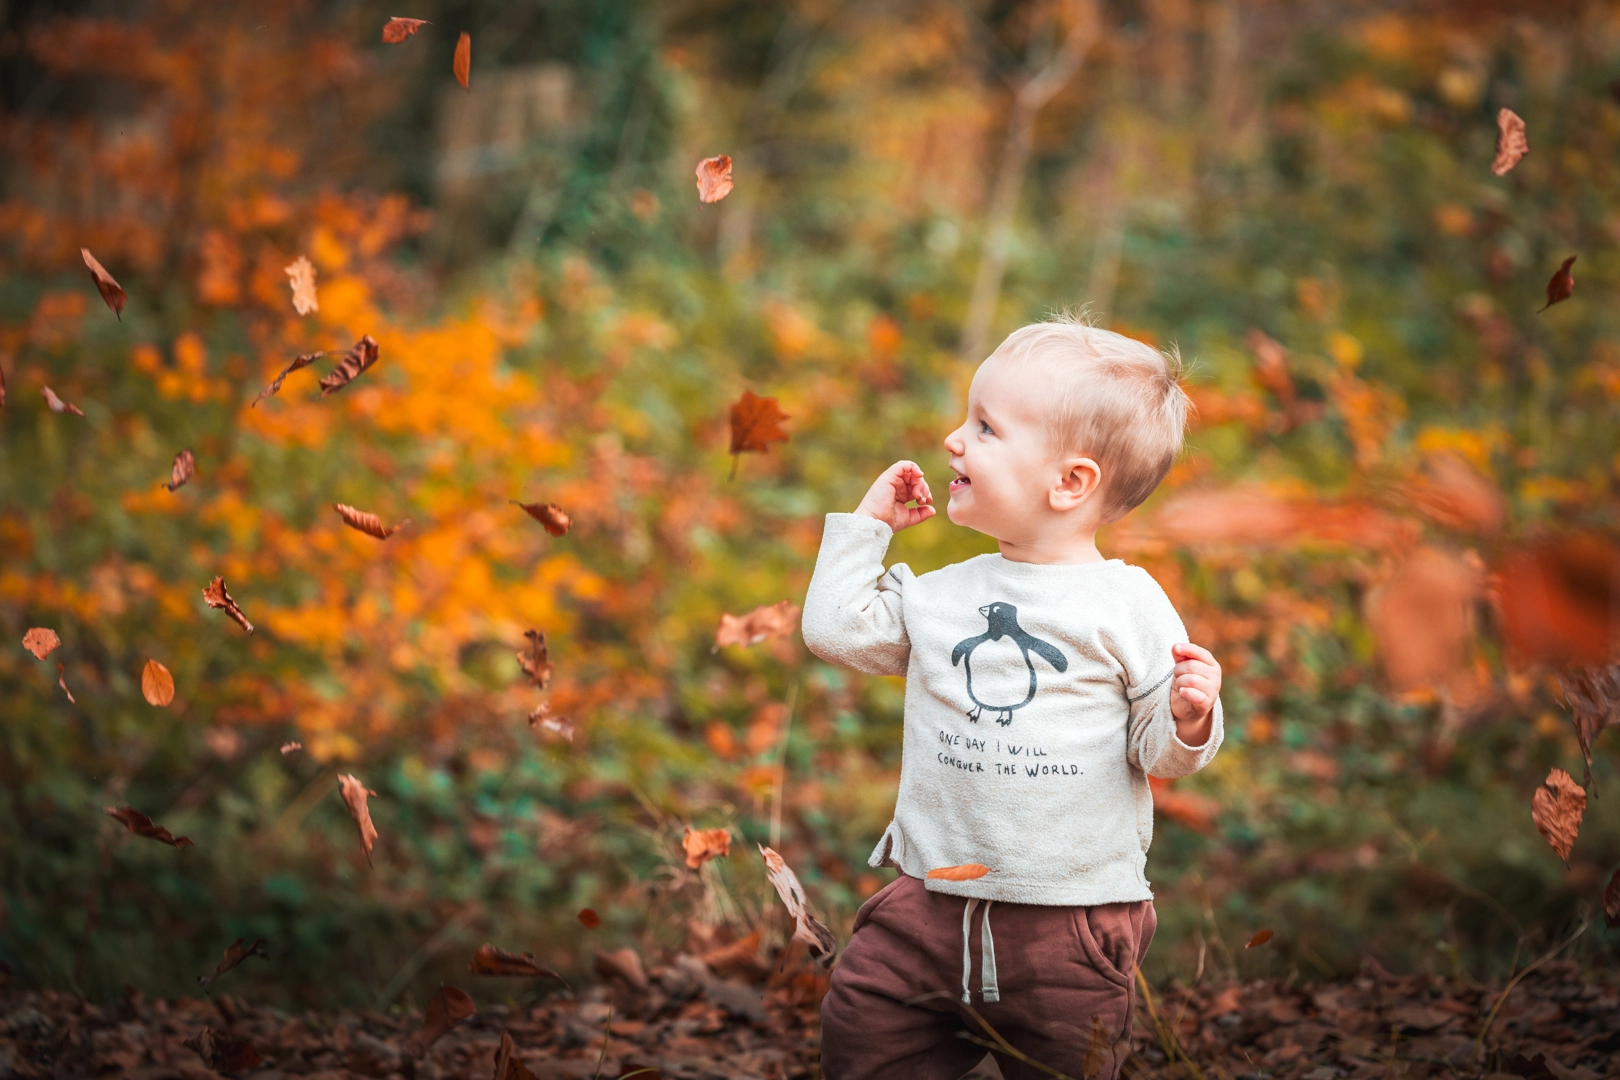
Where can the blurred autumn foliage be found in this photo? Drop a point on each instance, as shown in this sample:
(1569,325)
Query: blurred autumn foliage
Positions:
(1395,524)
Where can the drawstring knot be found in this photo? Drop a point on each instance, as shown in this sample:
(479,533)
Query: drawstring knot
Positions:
(989,989)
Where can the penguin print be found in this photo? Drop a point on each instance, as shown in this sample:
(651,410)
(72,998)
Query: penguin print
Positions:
(1006,637)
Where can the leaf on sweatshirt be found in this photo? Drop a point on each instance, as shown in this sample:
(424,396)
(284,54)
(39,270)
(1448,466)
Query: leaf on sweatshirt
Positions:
(1561,286)
(701,845)
(218,596)
(1259,939)
(141,825)
(806,927)
(965,872)
(355,363)
(714,178)
(548,514)
(370,524)
(535,660)
(772,621)
(301,274)
(449,1007)
(756,422)
(354,797)
(57,405)
(109,289)
(507,1065)
(462,64)
(489,960)
(1593,697)
(1557,808)
(1511,142)
(183,469)
(61,680)
(297,362)
(157,685)
(396,30)
(41,641)
(235,953)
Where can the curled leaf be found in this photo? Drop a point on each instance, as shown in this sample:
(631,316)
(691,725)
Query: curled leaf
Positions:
(1561,286)
(548,514)
(806,927)
(489,960)
(449,1007)
(61,680)
(396,30)
(355,362)
(701,845)
(41,642)
(141,825)
(297,362)
(1511,142)
(157,685)
(590,920)
(354,797)
(1593,696)
(109,289)
(462,64)
(1259,939)
(965,872)
(1557,808)
(183,469)
(301,274)
(536,660)
(218,596)
(370,524)
(57,405)
(756,422)
(771,621)
(235,953)
(714,178)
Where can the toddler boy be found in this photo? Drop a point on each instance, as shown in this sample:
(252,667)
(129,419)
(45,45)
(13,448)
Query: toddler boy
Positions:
(1044,684)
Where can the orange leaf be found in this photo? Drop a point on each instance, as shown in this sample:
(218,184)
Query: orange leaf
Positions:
(235,953)
(1511,142)
(589,918)
(536,660)
(965,872)
(218,596)
(183,469)
(141,825)
(1259,939)
(1557,808)
(756,422)
(1558,599)
(463,62)
(1422,617)
(1186,808)
(301,272)
(771,621)
(57,405)
(354,797)
(157,685)
(548,514)
(449,1007)
(370,524)
(110,290)
(61,680)
(396,30)
(714,178)
(355,363)
(1561,286)
(806,927)
(701,845)
(41,642)
(489,960)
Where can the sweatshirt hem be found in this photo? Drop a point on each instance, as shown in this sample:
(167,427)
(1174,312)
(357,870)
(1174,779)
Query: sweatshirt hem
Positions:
(1114,887)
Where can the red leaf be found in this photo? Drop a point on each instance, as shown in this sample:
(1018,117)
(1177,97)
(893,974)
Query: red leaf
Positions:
(110,290)
(1558,599)
(1561,286)
(591,920)
(714,178)
(1259,939)
(396,30)
(141,825)
(218,596)
(463,61)
(41,642)
(756,422)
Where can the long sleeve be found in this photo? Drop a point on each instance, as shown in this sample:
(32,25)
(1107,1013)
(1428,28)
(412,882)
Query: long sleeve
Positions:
(1152,742)
(854,612)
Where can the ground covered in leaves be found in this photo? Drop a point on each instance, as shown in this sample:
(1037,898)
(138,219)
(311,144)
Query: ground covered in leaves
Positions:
(682,1020)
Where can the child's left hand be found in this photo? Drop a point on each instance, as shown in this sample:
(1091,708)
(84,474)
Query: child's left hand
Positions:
(1196,684)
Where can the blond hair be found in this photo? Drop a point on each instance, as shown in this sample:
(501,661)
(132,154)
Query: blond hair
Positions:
(1115,399)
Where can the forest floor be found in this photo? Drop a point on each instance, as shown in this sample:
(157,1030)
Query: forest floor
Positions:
(682,1021)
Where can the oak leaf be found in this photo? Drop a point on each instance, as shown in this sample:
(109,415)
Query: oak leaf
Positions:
(57,405)
(806,927)
(1561,286)
(714,178)
(965,872)
(183,469)
(462,65)
(449,1007)
(589,919)
(157,685)
(489,960)
(301,274)
(1593,697)
(141,825)
(535,660)
(701,845)
(41,641)
(218,596)
(222,1051)
(354,797)
(507,1065)
(548,514)
(61,680)
(397,29)
(370,524)
(1557,808)
(235,953)
(1611,902)
(756,422)
(1511,142)
(291,746)
(1259,939)
(355,363)
(771,621)
(109,289)
(297,362)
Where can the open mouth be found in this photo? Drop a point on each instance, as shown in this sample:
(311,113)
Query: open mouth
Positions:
(961,483)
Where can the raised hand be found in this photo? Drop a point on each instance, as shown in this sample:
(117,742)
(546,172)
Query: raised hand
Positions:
(900,483)
(1193,691)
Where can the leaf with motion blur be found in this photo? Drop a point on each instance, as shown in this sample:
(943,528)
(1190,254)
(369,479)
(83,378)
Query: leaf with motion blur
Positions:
(701,845)
(157,685)
(714,178)
(297,362)
(1561,286)
(1511,142)
(235,953)
(183,469)
(301,275)
(449,1007)
(218,596)
(222,1051)
(1557,808)
(489,960)
(1271,366)
(1593,696)
(756,422)
(1559,599)
(397,29)
(589,919)
(507,1065)
(965,872)
(1098,1044)
(1259,939)
(354,797)
(370,524)
(141,825)
(535,660)
(290,747)
(555,727)
(771,621)
(57,405)
(2,387)
(61,680)
(41,642)
(1453,493)
(1611,902)
(355,363)
(462,65)
(1422,616)
(109,289)
(548,514)
(1186,808)
(806,927)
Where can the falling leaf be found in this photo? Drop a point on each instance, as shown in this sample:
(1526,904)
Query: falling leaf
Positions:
(622,964)
(397,29)
(370,524)
(1593,696)
(1611,902)
(1453,493)
(297,362)
(756,422)
(558,727)
(701,845)
(141,825)
(1561,286)
(536,659)
(489,960)
(1271,366)
(57,405)
(966,872)
(301,272)
(589,918)
(1259,939)
(806,927)
(449,1007)
(157,685)
(41,642)
(548,514)
(290,747)
(110,290)
(183,469)
(2,387)
(463,62)
(714,178)
(355,362)
(507,1065)
(1511,143)
(222,1051)
(1557,808)
(1559,598)
(218,596)
(235,953)
(772,621)
(1422,616)
(354,797)
(1098,1044)
(61,680)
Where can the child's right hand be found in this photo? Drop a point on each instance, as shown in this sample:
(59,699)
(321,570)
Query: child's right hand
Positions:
(900,483)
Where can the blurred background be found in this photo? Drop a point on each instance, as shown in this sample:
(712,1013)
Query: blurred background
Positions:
(1394,523)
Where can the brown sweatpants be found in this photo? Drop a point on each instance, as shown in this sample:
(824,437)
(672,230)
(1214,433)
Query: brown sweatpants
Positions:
(895,1004)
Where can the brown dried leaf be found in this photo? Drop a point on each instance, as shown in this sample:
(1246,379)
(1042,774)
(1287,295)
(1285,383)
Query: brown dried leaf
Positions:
(235,953)
(218,596)
(806,927)
(290,747)
(110,290)
(354,797)
(463,61)
(1557,808)
(61,680)
(771,621)
(1611,902)
(141,825)
(489,960)
(297,362)
(548,514)
(1098,1044)
(589,919)
(535,661)
(222,1051)
(157,685)
(1259,939)
(449,1007)
(41,642)
(756,422)
(370,524)
(397,29)
(965,872)
(183,469)
(1511,142)
(301,272)
(701,845)
(355,363)
(1593,696)
(507,1065)
(1561,286)
(57,405)
(714,178)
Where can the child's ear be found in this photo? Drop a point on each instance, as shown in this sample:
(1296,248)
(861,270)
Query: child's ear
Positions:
(1082,477)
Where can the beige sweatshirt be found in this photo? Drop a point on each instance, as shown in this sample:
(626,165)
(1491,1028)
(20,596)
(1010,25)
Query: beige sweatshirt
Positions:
(1037,704)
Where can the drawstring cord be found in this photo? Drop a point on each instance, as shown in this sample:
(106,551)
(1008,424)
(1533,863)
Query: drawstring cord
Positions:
(989,988)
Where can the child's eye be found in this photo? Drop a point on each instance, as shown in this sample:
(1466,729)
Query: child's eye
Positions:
(984,428)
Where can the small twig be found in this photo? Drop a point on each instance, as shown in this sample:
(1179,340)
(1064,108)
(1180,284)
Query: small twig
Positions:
(999,1044)
(607,1033)
(1490,1017)
(1169,1041)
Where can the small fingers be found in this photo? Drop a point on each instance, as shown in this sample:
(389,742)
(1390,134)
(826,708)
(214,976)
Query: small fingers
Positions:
(1187,650)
